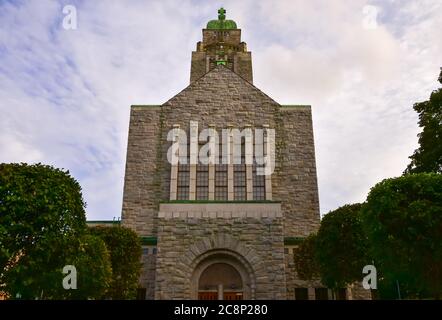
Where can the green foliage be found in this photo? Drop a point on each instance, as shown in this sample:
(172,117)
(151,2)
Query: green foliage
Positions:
(428,157)
(94,271)
(43,229)
(40,275)
(36,274)
(403,221)
(41,209)
(125,252)
(304,258)
(341,247)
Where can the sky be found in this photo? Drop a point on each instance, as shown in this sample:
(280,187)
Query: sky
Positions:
(65,94)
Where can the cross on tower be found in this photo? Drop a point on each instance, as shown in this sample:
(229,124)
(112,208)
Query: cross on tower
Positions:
(221,14)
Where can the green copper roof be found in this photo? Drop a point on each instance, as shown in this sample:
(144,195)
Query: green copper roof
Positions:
(221,23)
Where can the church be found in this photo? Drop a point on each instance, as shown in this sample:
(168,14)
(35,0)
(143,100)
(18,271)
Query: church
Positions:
(222,229)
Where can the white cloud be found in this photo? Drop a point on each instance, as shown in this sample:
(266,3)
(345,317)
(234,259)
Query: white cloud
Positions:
(65,94)
(361,83)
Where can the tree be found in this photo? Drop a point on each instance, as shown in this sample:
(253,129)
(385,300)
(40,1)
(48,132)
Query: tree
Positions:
(94,271)
(341,247)
(40,275)
(42,229)
(41,209)
(304,258)
(403,221)
(125,252)
(428,157)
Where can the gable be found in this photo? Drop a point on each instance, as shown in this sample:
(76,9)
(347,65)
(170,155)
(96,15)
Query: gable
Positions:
(221,97)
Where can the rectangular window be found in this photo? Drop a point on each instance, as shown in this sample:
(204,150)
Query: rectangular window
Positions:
(183,182)
(341,294)
(141,294)
(239,182)
(221,182)
(202,182)
(321,293)
(259,185)
(301,293)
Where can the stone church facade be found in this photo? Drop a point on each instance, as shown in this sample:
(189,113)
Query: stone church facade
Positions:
(217,230)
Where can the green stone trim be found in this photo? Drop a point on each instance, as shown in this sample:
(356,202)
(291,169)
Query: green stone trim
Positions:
(103,222)
(291,241)
(148,241)
(296,106)
(219,201)
(152,241)
(145,105)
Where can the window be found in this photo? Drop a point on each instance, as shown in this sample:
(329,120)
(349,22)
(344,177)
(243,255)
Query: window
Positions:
(145,251)
(341,294)
(239,182)
(154,251)
(183,182)
(202,182)
(141,294)
(259,185)
(301,293)
(239,175)
(221,182)
(321,293)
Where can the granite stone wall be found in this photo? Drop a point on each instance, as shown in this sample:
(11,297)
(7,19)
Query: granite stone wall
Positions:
(142,183)
(148,272)
(294,182)
(256,243)
(219,98)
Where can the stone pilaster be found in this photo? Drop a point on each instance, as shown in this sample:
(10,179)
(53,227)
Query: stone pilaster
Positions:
(193,159)
(230,186)
(249,161)
(174,164)
(212,160)
(269,143)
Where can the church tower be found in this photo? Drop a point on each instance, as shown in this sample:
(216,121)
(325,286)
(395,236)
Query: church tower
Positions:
(221,45)
(217,223)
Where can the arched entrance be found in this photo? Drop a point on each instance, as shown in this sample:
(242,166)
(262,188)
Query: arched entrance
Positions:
(220,281)
(222,275)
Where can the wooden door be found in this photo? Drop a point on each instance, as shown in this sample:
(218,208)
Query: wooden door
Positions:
(232,295)
(212,295)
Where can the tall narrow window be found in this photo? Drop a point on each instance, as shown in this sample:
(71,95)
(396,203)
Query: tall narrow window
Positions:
(239,182)
(202,182)
(239,178)
(259,185)
(221,182)
(183,182)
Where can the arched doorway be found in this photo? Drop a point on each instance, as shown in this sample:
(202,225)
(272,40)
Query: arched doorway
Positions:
(222,275)
(220,281)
